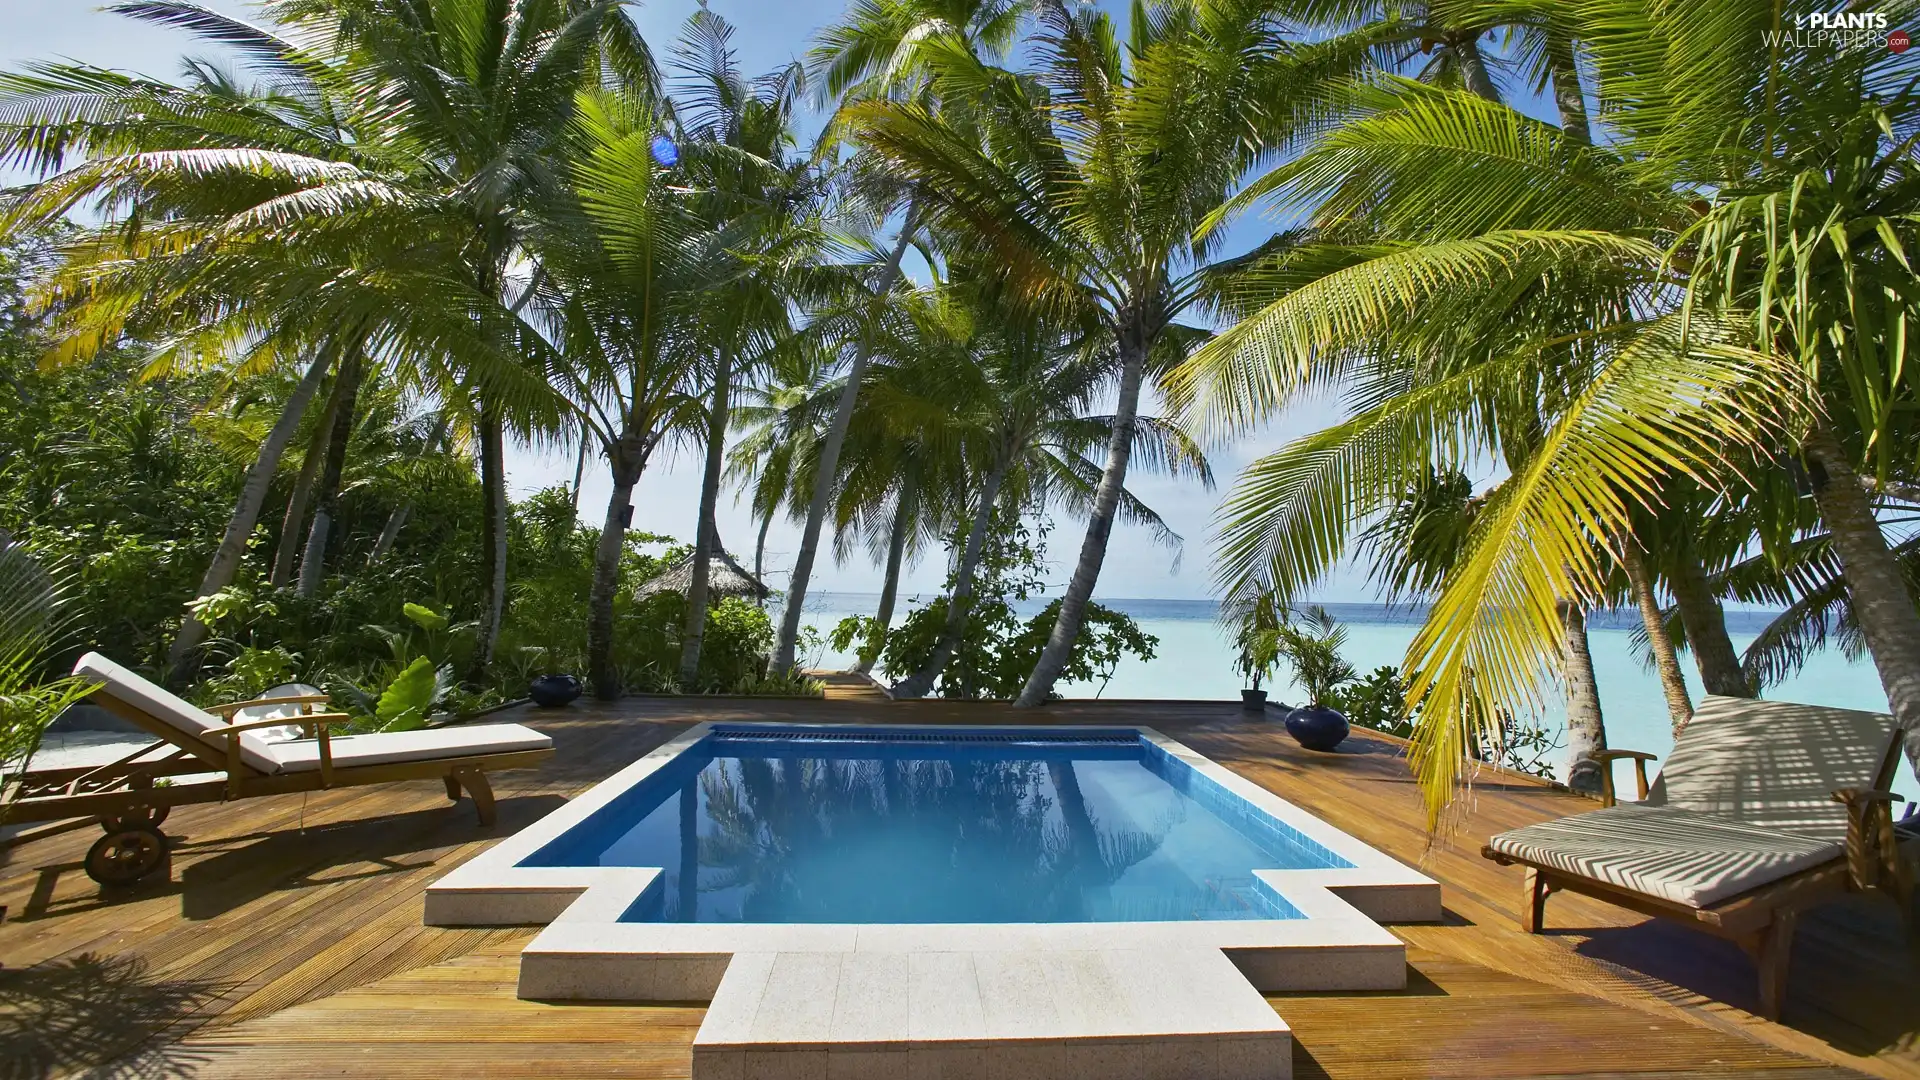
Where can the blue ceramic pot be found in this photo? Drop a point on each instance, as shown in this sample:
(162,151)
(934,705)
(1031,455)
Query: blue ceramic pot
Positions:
(553,691)
(1317,727)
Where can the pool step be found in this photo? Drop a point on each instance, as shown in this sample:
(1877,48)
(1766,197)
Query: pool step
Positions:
(1148,1014)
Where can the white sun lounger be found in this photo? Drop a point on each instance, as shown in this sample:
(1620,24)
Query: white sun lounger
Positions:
(218,759)
(1765,809)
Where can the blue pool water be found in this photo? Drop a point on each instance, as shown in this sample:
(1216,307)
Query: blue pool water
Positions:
(809,826)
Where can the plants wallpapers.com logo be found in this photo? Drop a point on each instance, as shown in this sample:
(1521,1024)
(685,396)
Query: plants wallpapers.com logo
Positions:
(1841,30)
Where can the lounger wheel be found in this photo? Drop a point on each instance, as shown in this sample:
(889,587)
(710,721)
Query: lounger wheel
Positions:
(124,856)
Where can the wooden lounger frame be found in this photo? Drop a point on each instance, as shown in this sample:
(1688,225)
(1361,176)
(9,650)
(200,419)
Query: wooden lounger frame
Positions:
(127,789)
(1760,920)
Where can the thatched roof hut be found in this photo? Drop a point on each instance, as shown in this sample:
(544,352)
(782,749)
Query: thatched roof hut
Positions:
(725,577)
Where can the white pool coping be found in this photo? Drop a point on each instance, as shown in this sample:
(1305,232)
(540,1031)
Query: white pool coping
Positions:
(586,952)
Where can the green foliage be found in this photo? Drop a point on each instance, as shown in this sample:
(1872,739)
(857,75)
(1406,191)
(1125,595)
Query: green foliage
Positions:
(33,606)
(424,617)
(1313,651)
(249,673)
(405,702)
(734,652)
(1377,700)
(864,629)
(997,648)
(1256,623)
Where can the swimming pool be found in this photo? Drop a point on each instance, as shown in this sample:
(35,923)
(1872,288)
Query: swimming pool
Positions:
(889,826)
(782,838)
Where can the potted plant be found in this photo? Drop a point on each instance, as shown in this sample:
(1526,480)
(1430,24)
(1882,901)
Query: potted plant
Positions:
(1313,651)
(1257,637)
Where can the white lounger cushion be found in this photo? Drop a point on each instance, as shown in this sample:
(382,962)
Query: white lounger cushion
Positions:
(150,699)
(425,744)
(1679,855)
(1774,764)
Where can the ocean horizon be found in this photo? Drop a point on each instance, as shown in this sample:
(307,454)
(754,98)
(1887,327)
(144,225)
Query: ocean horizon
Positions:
(1194,661)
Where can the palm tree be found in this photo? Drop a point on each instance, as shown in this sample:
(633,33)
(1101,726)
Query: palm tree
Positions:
(1090,179)
(739,135)
(882,51)
(624,263)
(1589,310)
(369,198)
(1017,395)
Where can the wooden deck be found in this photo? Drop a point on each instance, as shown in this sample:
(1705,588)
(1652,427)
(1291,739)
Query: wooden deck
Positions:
(288,941)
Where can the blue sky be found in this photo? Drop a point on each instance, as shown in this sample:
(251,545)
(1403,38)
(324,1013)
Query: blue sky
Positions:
(769,34)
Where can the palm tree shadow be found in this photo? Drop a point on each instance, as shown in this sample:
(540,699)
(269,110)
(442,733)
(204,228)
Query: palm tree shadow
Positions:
(99,1017)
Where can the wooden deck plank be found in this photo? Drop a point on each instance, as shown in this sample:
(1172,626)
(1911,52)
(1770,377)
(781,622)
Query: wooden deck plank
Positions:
(274,948)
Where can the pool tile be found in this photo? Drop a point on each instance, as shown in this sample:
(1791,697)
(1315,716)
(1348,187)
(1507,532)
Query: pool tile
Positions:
(786,1065)
(943,997)
(1041,1060)
(871,1003)
(1015,995)
(711,1063)
(1268,1058)
(866,1064)
(798,1001)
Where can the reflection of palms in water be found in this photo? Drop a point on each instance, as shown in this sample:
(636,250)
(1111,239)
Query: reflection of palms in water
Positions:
(1093,860)
(780,831)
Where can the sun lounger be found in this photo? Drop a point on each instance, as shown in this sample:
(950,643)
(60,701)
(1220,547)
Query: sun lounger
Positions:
(1764,809)
(201,756)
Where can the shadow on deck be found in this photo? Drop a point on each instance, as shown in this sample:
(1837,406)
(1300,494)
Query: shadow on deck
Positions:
(288,941)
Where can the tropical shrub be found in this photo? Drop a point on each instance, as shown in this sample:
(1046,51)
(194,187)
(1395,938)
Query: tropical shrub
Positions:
(998,648)
(33,607)
(733,655)
(1312,649)
(1377,700)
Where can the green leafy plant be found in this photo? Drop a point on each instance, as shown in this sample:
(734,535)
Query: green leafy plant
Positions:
(33,615)
(864,629)
(405,703)
(1256,623)
(1313,652)
(1377,700)
(738,637)
(998,649)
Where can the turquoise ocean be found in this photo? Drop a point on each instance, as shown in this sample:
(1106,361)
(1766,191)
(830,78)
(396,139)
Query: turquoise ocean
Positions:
(1195,661)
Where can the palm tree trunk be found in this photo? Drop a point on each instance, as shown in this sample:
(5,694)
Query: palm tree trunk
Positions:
(1106,504)
(579,471)
(1586,730)
(1882,605)
(1672,682)
(1706,625)
(296,515)
(829,465)
(1473,66)
(246,512)
(920,682)
(314,560)
(626,468)
(1568,96)
(493,535)
(760,553)
(903,512)
(390,533)
(706,539)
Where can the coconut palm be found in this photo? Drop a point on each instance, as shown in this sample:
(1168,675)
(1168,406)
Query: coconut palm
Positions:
(882,51)
(370,197)
(1603,315)
(1017,394)
(739,138)
(1089,179)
